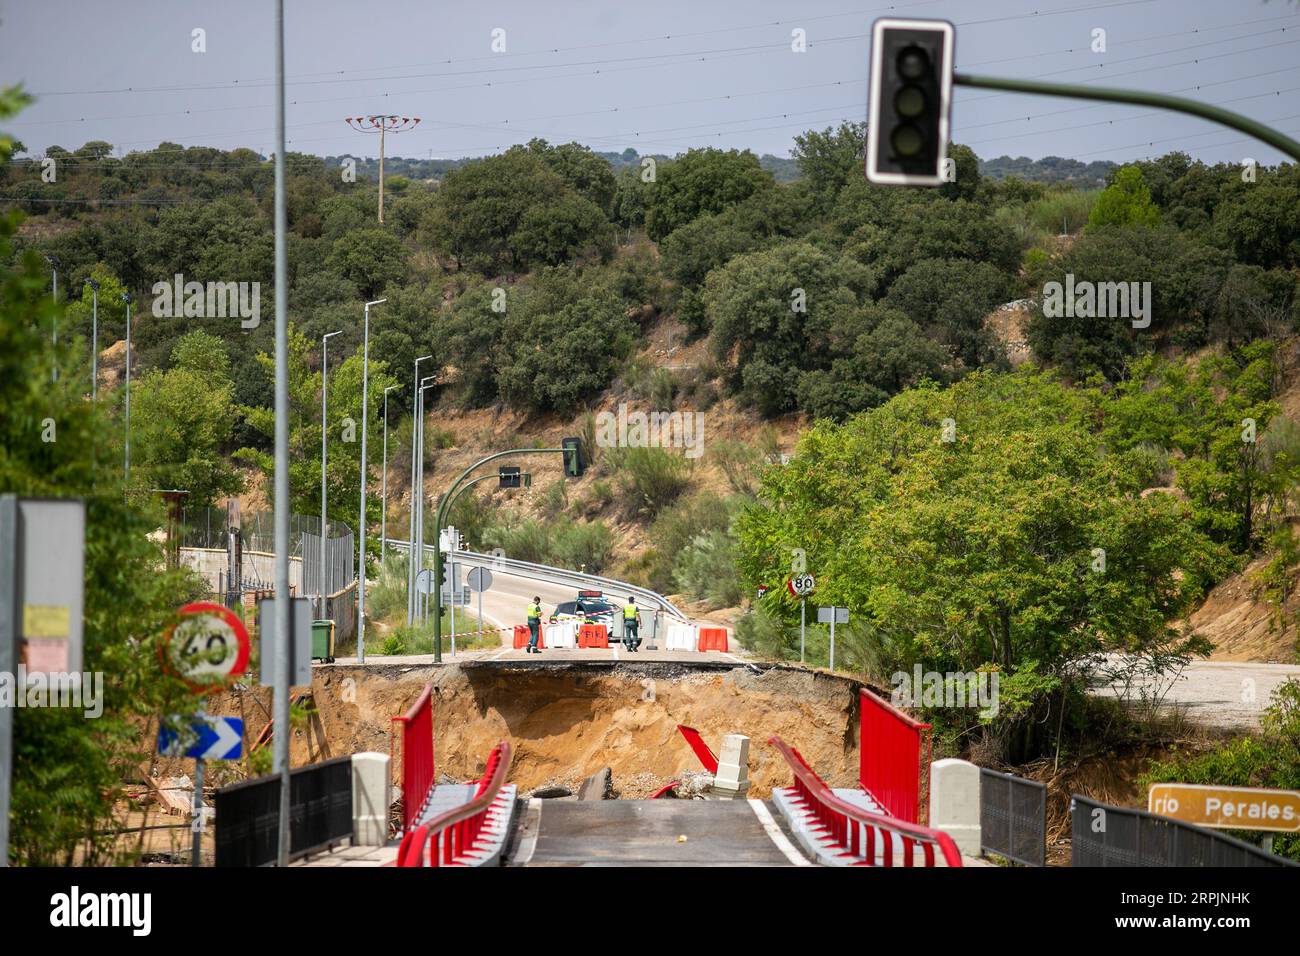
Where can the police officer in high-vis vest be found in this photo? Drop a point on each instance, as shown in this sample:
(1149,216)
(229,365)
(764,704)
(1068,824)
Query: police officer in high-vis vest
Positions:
(534,626)
(631,624)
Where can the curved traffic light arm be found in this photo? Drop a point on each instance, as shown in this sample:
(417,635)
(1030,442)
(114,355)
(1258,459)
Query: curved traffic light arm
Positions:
(1218,115)
(443,509)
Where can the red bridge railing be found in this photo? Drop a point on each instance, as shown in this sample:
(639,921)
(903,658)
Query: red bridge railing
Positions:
(890,764)
(417,756)
(868,837)
(456,831)
(702,751)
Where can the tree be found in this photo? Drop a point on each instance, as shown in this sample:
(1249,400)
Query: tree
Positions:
(483,205)
(67,769)
(182,422)
(764,308)
(586,173)
(828,158)
(980,551)
(698,182)
(950,298)
(370,259)
(1125,202)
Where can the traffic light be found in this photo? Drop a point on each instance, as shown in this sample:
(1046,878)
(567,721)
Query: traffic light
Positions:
(508,477)
(575,461)
(910,99)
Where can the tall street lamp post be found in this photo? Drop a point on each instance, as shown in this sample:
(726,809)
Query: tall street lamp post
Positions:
(94,338)
(383,495)
(324,420)
(410,554)
(365,417)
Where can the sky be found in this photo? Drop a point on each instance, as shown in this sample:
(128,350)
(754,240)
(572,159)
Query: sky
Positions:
(660,76)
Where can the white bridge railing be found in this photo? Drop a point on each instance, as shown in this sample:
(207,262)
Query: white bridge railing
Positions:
(558,576)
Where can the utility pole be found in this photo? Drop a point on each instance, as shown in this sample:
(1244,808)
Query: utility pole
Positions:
(419,514)
(54,329)
(284,636)
(384,124)
(324,419)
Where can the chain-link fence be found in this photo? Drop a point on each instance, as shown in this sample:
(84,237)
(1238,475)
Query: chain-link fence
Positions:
(206,528)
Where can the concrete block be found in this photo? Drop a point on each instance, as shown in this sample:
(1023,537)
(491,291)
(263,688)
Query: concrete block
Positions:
(732,778)
(955,802)
(370,799)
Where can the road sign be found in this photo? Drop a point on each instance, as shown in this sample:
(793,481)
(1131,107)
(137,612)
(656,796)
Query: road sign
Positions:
(1230,808)
(205,738)
(300,618)
(424,581)
(455,598)
(832,615)
(480,579)
(801,585)
(207,646)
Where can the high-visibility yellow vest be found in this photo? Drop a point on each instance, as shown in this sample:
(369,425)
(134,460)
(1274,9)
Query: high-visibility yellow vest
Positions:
(629,612)
(534,612)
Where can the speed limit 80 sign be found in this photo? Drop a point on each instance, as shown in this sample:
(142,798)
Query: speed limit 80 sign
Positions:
(206,646)
(801,585)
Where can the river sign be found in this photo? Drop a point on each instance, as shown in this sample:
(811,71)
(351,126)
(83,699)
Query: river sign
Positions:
(207,646)
(1229,808)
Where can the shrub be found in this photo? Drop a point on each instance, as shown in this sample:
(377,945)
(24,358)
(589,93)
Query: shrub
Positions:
(650,478)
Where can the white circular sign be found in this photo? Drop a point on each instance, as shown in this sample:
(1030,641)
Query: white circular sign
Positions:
(802,585)
(480,579)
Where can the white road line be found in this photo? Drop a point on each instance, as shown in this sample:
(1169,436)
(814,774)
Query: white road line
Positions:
(774,831)
(614,648)
(500,654)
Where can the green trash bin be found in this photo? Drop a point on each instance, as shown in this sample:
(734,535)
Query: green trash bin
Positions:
(322,641)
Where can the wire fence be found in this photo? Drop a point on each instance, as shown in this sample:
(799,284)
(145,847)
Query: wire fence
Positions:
(206,528)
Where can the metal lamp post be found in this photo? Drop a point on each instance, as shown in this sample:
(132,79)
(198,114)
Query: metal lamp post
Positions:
(418,502)
(324,420)
(410,562)
(383,495)
(365,416)
(126,297)
(54,329)
(94,338)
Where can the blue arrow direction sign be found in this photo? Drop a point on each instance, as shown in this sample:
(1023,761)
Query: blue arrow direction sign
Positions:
(205,738)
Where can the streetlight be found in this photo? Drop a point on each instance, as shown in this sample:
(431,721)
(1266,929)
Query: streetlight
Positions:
(324,395)
(383,496)
(415,421)
(365,394)
(417,503)
(126,297)
(54,294)
(94,338)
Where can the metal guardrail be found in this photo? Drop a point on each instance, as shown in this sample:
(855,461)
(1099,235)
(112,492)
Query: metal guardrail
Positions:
(856,830)
(248,814)
(1013,817)
(1102,835)
(456,831)
(417,756)
(557,576)
(890,766)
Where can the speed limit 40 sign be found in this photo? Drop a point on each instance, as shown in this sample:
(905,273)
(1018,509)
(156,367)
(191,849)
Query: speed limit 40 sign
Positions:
(206,646)
(801,585)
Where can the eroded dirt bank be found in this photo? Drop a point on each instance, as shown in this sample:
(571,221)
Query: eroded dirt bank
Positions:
(567,721)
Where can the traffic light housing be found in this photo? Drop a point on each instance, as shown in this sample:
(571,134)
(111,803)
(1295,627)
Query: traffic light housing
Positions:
(508,477)
(909,101)
(575,460)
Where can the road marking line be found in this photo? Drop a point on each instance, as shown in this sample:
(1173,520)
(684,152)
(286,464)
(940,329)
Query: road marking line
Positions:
(532,815)
(614,648)
(501,654)
(785,846)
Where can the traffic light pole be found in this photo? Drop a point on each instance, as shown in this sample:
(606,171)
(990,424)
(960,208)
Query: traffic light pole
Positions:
(443,508)
(1137,98)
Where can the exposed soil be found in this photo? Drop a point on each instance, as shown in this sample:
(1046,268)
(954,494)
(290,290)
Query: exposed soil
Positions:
(1243,625)
(567,721)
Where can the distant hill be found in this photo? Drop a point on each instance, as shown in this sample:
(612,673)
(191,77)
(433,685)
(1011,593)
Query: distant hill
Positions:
(1049,169)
